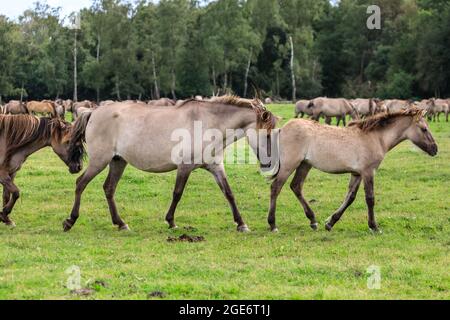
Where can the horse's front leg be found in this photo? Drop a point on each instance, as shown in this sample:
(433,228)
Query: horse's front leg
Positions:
(353,187)
(90,173)
(370,201)
(275,190)
(183,174)
(10,195)
(219,174)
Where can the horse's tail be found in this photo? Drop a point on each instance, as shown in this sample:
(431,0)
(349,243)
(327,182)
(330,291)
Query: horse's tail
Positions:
(78,137)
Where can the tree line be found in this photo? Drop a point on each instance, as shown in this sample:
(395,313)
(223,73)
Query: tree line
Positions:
(180,48)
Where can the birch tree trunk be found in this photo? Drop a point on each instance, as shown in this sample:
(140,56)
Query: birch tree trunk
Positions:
(75,71)
(214,80)
(155,79)
(246,73)
(98,61)
(294,89)
(173,85)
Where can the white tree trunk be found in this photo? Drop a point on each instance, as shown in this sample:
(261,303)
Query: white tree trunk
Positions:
(246,73)
(155,78)
(75,70)
(294,89)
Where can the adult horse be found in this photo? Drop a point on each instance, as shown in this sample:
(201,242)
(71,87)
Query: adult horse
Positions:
(438,106)
(15,107)
(397,105)
(329,108)
(121,134)
(42,107)
(22,135)
(82,106)
(301,108)
(368,107)
(358,149)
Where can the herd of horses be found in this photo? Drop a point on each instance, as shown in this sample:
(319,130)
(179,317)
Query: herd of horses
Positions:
(115,134)
(360,108)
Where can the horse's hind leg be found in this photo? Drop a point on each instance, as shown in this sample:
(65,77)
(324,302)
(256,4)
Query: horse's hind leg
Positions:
(353,187)
(370,201)
(90,173)
(183,174)
(116,169)
(297,187)
(10,195)
(221,179)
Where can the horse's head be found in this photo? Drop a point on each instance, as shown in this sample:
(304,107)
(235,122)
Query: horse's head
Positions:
(60,142)
(264,118)
(380,106)
(419,133)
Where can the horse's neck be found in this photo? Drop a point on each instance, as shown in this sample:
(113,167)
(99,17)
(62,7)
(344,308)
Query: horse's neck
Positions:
(394,134)
(232,117)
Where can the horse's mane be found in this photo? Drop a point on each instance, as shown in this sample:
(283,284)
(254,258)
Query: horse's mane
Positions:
(381,120)
(265,119)
(21,130)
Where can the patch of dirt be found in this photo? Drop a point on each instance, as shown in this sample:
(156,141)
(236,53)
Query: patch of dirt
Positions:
(156,294)
(186,238)
(83,292)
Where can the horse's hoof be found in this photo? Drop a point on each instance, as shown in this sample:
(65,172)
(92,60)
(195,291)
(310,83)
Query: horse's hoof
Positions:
(314,226)
(173,227)
(67,225)
(328,227)
(243,228)
(376,231)
(10,224)
(274,230)
(124,228)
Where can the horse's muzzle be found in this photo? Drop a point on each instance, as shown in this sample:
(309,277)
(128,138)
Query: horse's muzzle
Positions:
(433,150)
(75,168)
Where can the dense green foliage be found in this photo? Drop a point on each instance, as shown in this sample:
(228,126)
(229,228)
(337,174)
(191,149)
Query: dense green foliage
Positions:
(412,207)
(180,48)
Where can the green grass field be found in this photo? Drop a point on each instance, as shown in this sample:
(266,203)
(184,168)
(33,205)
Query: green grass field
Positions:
(413,253)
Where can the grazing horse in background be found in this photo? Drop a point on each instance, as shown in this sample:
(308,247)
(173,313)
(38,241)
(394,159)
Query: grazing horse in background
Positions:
(163,102)
(21,136)
(121,134)
(43,107)
(438,106)
(67,104)
(398,105)
(79,107)
(358,149)
(330,108)
(15,107)
(368,107)
(301,108)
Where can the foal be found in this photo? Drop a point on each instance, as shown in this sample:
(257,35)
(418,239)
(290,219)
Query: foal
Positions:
(358,149)
(22,135)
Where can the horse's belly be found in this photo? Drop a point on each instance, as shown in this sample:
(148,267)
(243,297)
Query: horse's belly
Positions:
(332,162)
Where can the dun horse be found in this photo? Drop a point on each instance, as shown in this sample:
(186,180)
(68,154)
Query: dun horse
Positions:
(121,134)
(43,107)
(328,108)
(22,135)
(358,149)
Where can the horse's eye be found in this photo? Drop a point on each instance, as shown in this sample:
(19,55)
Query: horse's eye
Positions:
(424,130)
